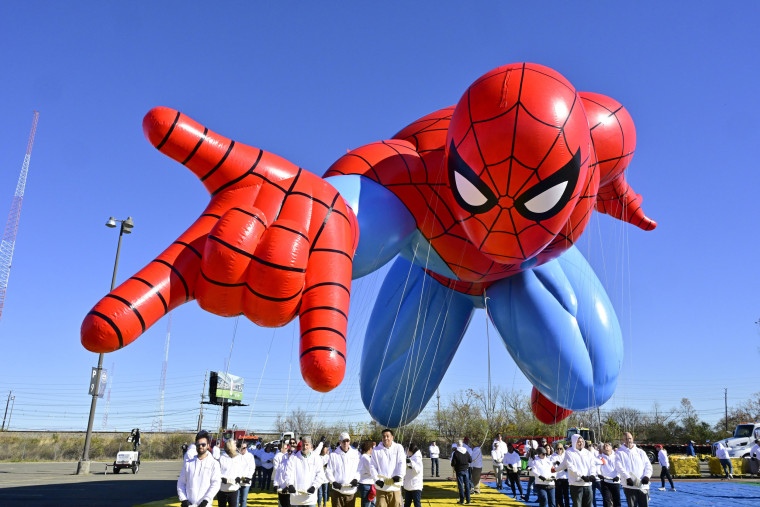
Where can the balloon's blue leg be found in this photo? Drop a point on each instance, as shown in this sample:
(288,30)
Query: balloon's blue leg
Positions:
(412,336)
(559,326)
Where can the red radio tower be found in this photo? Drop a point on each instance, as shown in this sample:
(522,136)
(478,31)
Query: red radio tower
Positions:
(11,226)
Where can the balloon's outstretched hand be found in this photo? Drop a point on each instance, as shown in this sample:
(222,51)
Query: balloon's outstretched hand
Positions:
(275,241)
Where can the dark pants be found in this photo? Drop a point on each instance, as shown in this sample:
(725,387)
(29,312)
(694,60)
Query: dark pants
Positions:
(227,498)
(665,474)
(413,496)
(531,482)
(363,492)
(596,486)
(636,497)
(283,499)
(434,467)
(611,494)
(728,468)
(582,496)
(545,496)
(513,479)
(463,483)
(322,494)
(265,479)
(562,493)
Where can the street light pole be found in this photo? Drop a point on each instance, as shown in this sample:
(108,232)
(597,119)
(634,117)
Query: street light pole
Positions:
(83,467)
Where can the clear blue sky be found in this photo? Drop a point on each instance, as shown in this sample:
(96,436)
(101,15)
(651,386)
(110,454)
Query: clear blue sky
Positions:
(309,80)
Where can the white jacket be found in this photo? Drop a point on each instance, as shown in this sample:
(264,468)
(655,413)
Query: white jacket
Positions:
(434,451)
(721,451)
(512,461)
(579,463)
(662,457)
(497,455)
(413,477)
(279,462)
(502,445)
(755,451)
(191,452)
(303,473)
(608,469)
(231,469)
(249,464)
(543,468)
(477,457)
(199,480)
(633,464)
(343,467)
(561,466)
(365,470)
(387,463)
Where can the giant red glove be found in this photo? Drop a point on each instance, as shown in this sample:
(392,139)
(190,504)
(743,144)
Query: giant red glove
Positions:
(274,241)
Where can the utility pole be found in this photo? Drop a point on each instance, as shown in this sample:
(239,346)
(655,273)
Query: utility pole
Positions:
(725,399)
(599,418)
(203,398)
(13,403)
(438,395)
(6,410)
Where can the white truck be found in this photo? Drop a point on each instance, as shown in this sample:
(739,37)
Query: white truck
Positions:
(744,438)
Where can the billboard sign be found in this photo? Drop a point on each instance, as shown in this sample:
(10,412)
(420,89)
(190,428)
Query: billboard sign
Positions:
(226,388)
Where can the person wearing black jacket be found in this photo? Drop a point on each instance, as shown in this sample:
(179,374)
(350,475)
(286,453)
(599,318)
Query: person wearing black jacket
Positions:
(460,462)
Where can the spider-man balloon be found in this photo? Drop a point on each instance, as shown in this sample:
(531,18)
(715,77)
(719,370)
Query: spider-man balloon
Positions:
(479,204)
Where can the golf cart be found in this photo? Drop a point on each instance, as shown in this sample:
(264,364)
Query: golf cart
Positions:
(128,459)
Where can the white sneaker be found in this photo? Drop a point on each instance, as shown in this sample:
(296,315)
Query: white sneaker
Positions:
(672,489)
(660,489)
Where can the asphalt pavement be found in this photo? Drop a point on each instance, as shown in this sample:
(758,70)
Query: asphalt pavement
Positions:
(56,484)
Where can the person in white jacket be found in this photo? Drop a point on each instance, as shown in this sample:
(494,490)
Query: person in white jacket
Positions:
(365,473)
(248,468)
(544,474)
(635,470)
(231,465)
(562,487)
(580,465)
(476,467)
(498,467)
(662,457)
(721,452)
(413,477)
(512,465)
(343,473)
(200,477)
(304,474)
(279,462)
(609,477)
(435,453)
(388,465)
(754,458)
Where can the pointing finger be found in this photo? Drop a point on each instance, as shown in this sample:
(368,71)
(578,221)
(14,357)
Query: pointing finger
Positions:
(167,282)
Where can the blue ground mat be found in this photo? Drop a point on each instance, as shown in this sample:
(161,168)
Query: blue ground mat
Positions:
(721,493)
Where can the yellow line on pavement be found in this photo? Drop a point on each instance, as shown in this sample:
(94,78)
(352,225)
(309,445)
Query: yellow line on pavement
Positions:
(434,494)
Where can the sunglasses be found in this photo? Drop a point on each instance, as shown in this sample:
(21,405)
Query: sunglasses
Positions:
(201,445)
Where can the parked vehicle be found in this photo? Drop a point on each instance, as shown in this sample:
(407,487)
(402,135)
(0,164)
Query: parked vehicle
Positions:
(744,438)
(126,460)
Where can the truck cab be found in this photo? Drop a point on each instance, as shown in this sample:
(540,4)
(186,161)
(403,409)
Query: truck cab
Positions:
(744,438)
(587,434)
